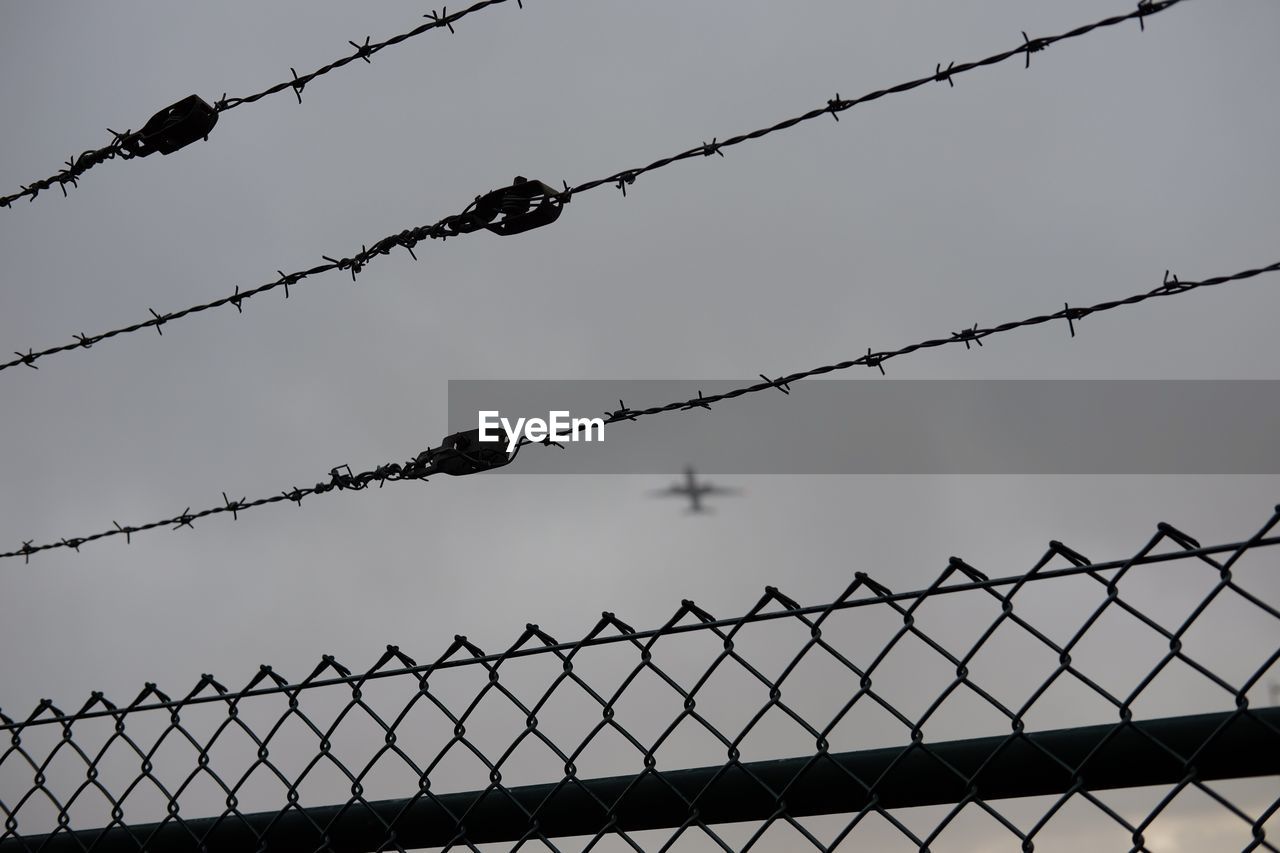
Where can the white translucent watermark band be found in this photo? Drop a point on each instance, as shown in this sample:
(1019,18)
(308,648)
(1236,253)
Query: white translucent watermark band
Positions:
(886,426)
(558,426)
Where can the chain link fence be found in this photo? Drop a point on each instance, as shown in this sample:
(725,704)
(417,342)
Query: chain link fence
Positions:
(1119,705)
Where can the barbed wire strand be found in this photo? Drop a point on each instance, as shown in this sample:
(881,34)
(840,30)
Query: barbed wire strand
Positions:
(77,166)
(416,470)
(448,226)
(1170,286)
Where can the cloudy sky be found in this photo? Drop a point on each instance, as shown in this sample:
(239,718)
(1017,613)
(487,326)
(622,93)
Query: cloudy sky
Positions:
(1115,157)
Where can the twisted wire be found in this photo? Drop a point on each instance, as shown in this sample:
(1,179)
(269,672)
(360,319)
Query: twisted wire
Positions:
(417,470)
(446,227)
(78,165)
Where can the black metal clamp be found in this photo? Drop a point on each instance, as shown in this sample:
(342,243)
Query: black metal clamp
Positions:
(174,127)
(523,206)
(466,453)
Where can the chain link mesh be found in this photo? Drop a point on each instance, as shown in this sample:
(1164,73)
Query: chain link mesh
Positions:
(1017,712)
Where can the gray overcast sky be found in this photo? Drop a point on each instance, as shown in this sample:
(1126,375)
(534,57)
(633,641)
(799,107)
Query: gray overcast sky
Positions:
(1114,157)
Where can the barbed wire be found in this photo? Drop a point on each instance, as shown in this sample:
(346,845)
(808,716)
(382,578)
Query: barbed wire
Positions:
(405,239)
(450,226)
(1170,286)
(412,470)
(418,469)
(118,147)
(837,105)
(75,167)
(365,52)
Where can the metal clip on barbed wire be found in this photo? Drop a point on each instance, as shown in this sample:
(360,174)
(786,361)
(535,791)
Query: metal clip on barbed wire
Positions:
(174,127)
(466,453)
(523,206)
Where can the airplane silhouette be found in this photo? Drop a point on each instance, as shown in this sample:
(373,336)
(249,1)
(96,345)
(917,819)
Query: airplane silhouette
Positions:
(694,490)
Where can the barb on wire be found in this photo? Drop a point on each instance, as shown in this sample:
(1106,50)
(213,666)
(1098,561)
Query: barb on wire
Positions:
(120,144)
(422,466)
(458,224)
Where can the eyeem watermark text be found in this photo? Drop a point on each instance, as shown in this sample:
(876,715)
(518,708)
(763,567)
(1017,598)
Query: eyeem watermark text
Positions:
(558,426)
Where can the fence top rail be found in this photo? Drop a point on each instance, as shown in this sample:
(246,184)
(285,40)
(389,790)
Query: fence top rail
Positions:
(533,641)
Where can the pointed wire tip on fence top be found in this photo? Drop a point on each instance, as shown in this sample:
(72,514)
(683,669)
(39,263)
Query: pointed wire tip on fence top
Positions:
(609,619)
(772,593)
(43,707)
(534,631)
(149,689)
(1171,532)
(959,565)
(327,662)
(96,697)
(688,606)
(863,579)
(266,673)
(206,680)
(1069,554)
(392,653)
(529,632)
